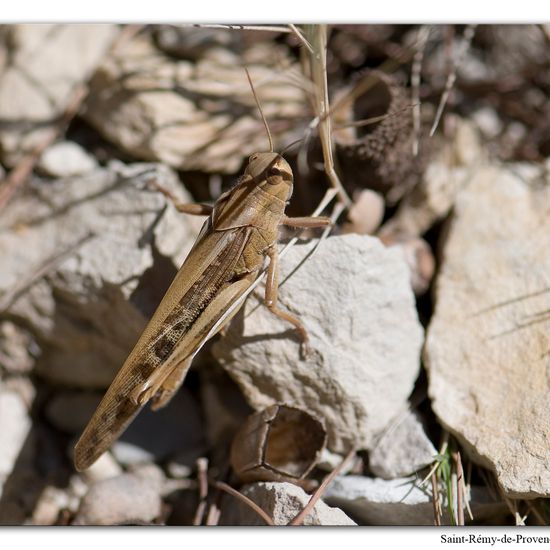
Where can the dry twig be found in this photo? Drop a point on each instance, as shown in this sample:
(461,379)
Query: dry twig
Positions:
(202,476)
(250,503)
(299,519)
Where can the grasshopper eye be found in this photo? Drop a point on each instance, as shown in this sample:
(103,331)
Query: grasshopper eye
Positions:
(253,157)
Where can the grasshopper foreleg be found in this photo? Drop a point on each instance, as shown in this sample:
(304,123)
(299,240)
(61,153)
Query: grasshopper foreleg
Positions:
(185,207)
(306,222)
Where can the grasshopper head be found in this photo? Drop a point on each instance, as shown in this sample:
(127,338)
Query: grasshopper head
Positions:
(272,173)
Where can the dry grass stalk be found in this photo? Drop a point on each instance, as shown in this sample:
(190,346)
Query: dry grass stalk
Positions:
(435,499)
(422,40)
(466,41)
(459,489)
(298,33)
(317,36)
(267,28)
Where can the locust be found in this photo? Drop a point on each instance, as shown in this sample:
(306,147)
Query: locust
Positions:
(238,237)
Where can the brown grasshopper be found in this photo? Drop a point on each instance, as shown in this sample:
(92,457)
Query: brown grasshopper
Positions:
(228,256)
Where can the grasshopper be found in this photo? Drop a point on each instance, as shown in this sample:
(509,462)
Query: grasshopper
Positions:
(226,259)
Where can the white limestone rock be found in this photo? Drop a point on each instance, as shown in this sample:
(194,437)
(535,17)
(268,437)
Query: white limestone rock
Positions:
(47,61)
(110,247)
(282,502)
(65,159)
(354,298)
(404,501)
(487,349)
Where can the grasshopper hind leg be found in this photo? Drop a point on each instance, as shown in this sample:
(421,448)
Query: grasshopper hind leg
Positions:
(161,385)
(170,385)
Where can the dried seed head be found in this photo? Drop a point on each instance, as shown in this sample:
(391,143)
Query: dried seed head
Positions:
(280,443)
(374,135)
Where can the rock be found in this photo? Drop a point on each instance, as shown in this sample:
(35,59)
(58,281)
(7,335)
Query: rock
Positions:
(163,434)
(488,122)
(132,498)
(20,483)
(227,409)
(366,213)
(432,199)
(15,425)
(23,387)
(17,349)
(193,116)
(130,454)
(71,411)
(106,467)
(420,259)
(282,502)
(194,43)
(52,500)
(402,449)
(374,501)
(65,159)
(111,247)
(328,461)
(47,61)
(487,347)
(365,340)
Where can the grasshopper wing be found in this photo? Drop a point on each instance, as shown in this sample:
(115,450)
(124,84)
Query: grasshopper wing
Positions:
(204,288)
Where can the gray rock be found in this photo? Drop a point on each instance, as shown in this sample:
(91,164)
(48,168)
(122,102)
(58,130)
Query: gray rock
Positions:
(110,248)
(374,501)
(15,425)
(282,502)
(419,257)
(366,213)
(106,467)
(402,449)
(17,349)
(126,499)
(65,159)
(52,500)
(487,349)
(160,435)
(194,43)
(193,116)
(355,300)
(71,411)
(46,62)
(432,199)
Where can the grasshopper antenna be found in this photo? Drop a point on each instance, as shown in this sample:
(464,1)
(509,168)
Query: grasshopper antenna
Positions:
(289,146)
(260,109)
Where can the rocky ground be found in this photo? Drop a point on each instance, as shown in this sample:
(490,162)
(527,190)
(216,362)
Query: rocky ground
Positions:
(425,397)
